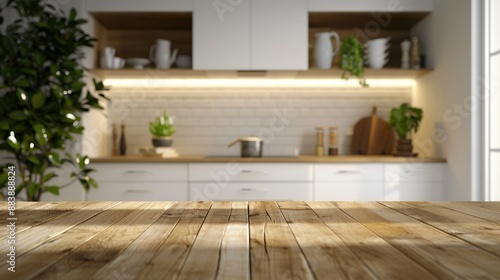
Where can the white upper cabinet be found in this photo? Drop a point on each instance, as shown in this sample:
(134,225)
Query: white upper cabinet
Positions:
(250,35)
(94,6)
(279,35)
(221,34)
(370,5)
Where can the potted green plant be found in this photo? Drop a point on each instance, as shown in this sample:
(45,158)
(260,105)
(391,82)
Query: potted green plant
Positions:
(43,94)
(405,120)
(352,59)
(161,129)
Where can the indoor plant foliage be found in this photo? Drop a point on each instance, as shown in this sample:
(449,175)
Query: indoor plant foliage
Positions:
(162,129)
(352,59)
(404,120)
(43,95)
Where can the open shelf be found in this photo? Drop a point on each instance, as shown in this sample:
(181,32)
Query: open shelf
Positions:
(151,73)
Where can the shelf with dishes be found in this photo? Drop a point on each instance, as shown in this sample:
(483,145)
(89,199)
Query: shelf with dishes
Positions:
(334,73)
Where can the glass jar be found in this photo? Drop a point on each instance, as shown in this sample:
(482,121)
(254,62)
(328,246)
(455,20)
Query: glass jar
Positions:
(333,148)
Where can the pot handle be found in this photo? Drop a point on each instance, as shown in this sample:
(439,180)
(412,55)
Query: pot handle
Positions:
(234,142)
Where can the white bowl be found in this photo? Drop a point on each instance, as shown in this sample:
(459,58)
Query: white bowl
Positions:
(137,62)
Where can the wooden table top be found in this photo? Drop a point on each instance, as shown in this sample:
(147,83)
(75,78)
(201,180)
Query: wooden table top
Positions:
(254,240)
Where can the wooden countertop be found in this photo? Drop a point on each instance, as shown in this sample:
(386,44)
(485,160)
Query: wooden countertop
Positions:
(255,240)
(268,159)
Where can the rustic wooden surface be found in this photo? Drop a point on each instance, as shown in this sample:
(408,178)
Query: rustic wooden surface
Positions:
(255,240)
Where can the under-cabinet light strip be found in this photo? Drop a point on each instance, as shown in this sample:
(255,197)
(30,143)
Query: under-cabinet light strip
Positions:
(306,83)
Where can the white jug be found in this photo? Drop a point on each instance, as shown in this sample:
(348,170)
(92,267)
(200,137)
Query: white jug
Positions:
(323,50)
(160,54)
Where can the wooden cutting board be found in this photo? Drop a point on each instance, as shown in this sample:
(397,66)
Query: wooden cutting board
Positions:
(372,136)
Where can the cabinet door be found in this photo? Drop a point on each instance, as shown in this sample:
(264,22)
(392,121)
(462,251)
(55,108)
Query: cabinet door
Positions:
(279,34)
(158,191)
(349,191)
(250,191)
(412,191)
(221,35)
(139,6)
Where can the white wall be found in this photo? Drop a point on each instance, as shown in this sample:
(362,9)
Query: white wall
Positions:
(445,94)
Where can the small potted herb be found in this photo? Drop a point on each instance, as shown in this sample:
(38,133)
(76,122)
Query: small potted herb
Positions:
(352,59)
(162,129)
(404,120)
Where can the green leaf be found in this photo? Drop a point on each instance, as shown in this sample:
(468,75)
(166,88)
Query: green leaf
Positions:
(23,83)
(38,100)
(48,176)
(52,189)
(54,158)
(4,125)
(34,160)
(72,14)
(18,115)
(32,189)
(41,134)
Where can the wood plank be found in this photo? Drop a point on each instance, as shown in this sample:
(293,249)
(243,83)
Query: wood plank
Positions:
(135,257)
(36,235)
(33,216)
(235,248)
(275,253)
(326,253)
(170,257)
(383,259)
(481,233)
(445,256)
(471,208)
(87,259)
(203,259)
(55,248)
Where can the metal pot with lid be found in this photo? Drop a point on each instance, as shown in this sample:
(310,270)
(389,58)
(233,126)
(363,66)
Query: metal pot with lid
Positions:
(250,146)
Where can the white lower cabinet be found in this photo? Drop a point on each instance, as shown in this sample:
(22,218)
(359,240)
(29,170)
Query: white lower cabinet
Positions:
(250,191)
(250,181)
(336,182)
(140,182)
(414,181)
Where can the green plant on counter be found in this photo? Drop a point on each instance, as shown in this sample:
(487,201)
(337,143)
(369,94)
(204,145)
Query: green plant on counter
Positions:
(405,119)
(44,93)
(162,126)
(352,59)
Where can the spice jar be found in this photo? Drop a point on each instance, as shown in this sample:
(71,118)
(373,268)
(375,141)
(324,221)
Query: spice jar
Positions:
(333,148)
(320,144)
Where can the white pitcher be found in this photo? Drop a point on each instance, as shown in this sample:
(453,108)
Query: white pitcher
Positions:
(160,54)
(323,50)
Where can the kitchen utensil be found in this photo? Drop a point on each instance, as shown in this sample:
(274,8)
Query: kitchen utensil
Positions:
(415,53)
(323,50)
(372,136)
(250,146)
(320,138)
(333,148)
(405,58)
(160,54)
(183,61)
(109,56)
(137,63)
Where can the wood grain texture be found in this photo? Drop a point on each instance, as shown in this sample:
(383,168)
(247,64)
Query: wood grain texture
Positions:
(257,240)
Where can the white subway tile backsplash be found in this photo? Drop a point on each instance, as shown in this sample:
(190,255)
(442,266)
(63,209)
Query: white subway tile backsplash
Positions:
(208,119)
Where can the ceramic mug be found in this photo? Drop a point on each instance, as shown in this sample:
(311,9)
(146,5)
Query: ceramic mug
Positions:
(109,56)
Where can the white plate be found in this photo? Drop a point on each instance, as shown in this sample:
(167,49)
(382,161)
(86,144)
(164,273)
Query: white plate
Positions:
(137,63)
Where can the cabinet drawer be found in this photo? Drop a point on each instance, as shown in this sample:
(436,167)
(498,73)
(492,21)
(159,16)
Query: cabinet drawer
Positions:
(139,172)
(413,191)
(250,172)
(413,172)
(111,191)
(348,172)
(347,191)
(250,191)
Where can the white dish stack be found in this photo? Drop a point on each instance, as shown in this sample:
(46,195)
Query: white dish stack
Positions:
(377,52)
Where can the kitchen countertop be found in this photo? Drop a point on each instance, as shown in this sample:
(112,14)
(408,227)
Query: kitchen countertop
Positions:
(255,240)
(269,159)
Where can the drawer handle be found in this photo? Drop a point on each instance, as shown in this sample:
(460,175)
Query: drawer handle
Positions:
(137,191)
(137,172)
(253,190)
(253,172)
(349,171)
